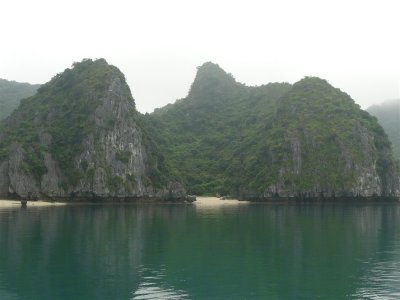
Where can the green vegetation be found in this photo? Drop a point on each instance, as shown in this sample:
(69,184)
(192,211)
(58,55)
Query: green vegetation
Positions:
(61,109)
(226,137)
(34,162)
(388,114)
(123,156)
(160,170)
(206,136)
(333,133)
(74,112)
(11,93)
(115,182)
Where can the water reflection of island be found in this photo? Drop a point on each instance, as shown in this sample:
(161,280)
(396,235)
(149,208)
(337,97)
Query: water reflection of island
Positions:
(189,251)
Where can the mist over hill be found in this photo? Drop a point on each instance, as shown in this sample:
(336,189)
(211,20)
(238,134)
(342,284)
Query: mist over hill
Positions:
(388,114)
(11,93)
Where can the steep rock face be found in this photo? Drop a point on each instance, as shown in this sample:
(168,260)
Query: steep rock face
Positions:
(322,145)
(79,138)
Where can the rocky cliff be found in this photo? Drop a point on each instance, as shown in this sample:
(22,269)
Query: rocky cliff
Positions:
(80,138)
(277,141)
(322,145)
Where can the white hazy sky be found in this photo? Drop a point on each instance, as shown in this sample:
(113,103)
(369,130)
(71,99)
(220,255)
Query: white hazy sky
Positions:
(355,45)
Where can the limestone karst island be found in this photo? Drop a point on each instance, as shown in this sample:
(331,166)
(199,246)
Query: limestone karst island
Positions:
(79,137)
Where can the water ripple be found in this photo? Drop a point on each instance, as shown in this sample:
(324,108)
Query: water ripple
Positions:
(383,279)
(153,287)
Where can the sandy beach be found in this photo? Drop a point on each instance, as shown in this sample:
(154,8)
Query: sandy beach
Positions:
(16,203)
(217,202)
(201,202)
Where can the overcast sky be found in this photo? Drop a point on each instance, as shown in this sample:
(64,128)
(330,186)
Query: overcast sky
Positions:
(355,45)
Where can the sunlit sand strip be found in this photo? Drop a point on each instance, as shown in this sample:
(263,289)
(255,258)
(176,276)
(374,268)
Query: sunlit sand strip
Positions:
(216,202)
(16,203)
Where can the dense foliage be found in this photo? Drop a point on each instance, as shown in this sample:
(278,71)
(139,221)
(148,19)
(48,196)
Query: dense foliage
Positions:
(388,114)
(206,136)
(11,93)
(225,137)
(332,131)
(60,111)
(62,117)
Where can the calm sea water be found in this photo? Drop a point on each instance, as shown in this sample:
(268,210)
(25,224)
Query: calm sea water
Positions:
(260,251)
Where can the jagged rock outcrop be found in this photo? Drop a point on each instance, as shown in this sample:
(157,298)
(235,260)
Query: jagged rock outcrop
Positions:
(80,138)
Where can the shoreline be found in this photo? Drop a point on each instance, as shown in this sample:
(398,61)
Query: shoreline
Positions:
(201,202)
(17,203)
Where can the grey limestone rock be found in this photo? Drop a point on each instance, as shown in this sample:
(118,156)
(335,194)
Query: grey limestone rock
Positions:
(113,161)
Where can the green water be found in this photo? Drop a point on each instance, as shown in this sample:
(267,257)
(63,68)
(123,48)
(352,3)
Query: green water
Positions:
(260,251)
